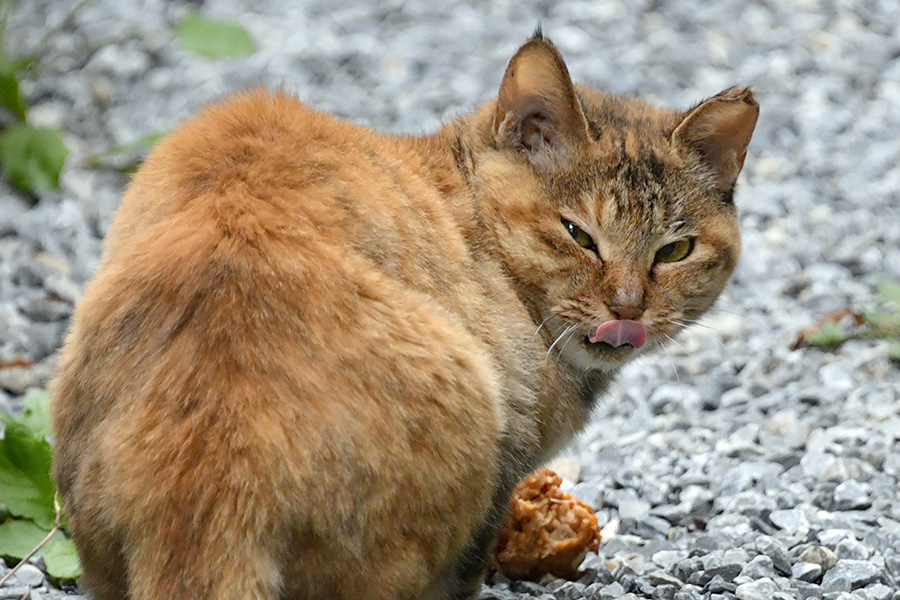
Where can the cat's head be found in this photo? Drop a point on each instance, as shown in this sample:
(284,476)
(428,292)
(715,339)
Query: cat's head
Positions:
(615,218)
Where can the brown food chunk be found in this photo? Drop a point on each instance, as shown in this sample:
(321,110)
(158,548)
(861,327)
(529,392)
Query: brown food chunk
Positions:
(547,530)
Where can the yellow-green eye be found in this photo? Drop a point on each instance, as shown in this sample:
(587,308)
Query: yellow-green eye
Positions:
(580,236)
(675,251)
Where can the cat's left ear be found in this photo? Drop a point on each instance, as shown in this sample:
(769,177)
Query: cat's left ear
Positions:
(720,129)
(538,112)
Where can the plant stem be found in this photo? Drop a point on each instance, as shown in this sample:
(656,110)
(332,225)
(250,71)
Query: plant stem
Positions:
(42,543)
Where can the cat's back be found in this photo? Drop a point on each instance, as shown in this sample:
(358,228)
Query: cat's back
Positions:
(267,153)
(263,168)
(261,228)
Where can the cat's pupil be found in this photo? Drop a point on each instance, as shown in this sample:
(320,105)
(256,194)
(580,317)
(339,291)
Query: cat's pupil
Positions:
(580,236)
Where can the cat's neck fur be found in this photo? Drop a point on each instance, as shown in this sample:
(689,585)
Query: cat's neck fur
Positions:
(448,157)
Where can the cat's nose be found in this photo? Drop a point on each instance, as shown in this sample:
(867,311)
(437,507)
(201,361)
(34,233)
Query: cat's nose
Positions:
(627,312)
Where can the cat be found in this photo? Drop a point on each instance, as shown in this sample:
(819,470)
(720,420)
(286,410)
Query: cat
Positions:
(315,360)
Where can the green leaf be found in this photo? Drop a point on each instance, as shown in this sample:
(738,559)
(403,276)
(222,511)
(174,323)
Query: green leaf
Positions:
(18,538)
(36,417)
(827,335)
(26,488)
(128,151)
(213,39)
(10,96)
(31,158)
(890,291)
(893,351)
(61,559)
(882,319)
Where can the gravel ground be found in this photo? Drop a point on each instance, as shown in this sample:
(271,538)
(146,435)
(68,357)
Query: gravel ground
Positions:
(732,467)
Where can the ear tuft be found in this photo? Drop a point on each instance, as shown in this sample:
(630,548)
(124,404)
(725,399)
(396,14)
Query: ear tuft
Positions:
(537,111)
(720,129)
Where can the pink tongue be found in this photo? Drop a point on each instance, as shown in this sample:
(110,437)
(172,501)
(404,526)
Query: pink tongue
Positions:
(619,332)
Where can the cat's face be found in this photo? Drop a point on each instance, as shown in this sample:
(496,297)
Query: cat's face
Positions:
(615,218)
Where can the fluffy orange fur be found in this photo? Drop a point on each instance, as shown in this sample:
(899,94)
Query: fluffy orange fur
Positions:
(315,360)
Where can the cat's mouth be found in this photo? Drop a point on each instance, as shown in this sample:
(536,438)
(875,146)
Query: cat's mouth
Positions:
(615,341)
(606,346)
(619,332)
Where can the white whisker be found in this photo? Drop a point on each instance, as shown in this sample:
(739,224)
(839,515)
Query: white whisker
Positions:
(671,362)
(680,345)
(542,324)
(744,315)
(695,322)
(567,330)
(571,335)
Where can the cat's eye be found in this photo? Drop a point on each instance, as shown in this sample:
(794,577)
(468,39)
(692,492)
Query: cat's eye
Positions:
(581,237)
(675,251)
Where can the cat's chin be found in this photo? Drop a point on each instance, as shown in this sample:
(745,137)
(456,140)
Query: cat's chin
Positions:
(588,356)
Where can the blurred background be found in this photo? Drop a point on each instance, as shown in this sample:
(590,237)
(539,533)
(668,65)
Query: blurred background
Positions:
(797,366)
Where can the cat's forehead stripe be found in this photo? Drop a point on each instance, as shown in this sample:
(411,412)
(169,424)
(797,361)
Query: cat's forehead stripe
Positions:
(680,226)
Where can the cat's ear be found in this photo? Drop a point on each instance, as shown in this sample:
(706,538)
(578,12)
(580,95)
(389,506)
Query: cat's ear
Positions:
(538,112)
(720,129)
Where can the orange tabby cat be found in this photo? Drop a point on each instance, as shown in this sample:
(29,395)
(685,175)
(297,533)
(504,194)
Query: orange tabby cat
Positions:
(315,360)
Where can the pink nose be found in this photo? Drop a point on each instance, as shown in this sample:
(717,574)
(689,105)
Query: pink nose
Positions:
(627,312)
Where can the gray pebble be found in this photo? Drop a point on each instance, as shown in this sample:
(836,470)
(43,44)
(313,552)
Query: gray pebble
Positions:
(45,310)
(806,571)
(528,587)
(612,591)
(665,592)
(689,592)
(29,575)
(848,574)
(760,567)
(877,591)
(667,558)
(649,527)
(850,548)
(760,589)
(717,585)
(19,380)
(833,536)
(852,495)
(590,492)
(775,550)
(791,520)
(726,571)
(569,590)
(663,578)
(806,591)
(63,287)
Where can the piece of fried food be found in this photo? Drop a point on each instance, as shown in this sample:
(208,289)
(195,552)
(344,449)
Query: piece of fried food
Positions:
(547,530)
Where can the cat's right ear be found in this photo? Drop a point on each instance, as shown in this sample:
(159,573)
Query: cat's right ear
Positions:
(538,112)
(720,128)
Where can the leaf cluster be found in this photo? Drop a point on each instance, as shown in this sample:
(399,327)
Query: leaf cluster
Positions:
(27,511)
(843,325)
(31,158)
